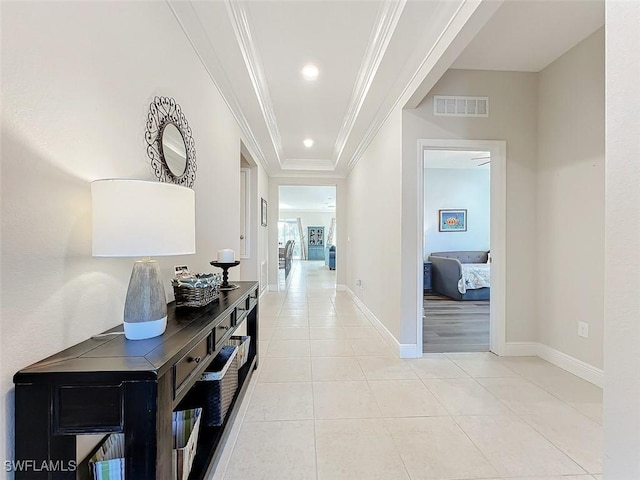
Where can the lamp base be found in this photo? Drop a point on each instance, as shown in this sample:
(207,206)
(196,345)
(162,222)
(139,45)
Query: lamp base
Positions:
(145,308)
(144,330)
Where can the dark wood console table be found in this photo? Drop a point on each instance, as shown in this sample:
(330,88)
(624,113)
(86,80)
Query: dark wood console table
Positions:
(111,385)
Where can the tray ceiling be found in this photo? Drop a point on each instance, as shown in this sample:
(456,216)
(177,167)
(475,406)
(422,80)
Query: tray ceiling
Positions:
(371,56)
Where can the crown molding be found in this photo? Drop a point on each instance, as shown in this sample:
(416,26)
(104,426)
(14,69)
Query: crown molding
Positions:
(223,85)
(240,22)
(305,210)
(454,26)
(389,14)
(307,164)
(312,174)
(461,29)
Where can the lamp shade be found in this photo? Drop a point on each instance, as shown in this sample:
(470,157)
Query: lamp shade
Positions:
(137,218)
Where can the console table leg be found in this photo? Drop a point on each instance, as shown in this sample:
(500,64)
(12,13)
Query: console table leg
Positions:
(145,447)
(40,454)
(164,427)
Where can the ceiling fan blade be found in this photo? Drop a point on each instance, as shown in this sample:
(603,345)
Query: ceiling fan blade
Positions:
(480,158)
(481,164)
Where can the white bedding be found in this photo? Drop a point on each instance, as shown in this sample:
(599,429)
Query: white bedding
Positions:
(474,275)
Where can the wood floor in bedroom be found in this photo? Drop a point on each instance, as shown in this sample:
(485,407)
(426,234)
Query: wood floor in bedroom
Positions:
(455,326)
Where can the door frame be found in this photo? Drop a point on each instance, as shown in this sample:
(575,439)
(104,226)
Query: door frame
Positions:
(340,241)
(245,204)
(498,235)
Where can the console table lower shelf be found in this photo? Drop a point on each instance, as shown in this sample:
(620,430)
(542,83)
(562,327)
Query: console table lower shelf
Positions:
(212,439)
(115,385)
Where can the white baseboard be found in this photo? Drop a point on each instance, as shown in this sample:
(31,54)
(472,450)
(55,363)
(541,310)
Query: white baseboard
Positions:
(521,349)
(403,350)
(382,329)
(559,359)
(410,350)
(570,364)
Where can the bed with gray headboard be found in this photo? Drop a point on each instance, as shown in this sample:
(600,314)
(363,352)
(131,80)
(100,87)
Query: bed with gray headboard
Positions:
(466,270)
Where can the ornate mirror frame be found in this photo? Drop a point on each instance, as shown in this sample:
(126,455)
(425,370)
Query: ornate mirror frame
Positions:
(164,111)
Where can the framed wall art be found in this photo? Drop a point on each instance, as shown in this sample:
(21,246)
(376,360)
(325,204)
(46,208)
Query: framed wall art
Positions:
(263,213)
(451,220)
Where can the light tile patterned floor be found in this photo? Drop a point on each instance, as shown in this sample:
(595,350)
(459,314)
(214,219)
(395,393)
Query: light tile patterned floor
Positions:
(332,401)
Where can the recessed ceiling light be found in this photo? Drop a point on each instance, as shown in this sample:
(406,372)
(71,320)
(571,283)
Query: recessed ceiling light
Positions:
(308,142)
(310,71)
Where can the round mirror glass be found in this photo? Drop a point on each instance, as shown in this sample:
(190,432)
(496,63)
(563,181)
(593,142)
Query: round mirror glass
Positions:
(174,149)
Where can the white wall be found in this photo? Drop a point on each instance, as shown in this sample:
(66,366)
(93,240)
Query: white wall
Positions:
(77,80)
(570,200)
(446,188)
(310,219)
(513,112)
(263,236)
(622,237)
(374,228)
(255,266)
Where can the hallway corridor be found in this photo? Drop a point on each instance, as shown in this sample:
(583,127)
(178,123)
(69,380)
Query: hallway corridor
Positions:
(332,401)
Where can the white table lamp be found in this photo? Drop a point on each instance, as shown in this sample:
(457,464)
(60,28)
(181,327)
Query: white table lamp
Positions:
(137,218)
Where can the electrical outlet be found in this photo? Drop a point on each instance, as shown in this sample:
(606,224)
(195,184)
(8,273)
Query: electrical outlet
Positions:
(583,329)
(358,283)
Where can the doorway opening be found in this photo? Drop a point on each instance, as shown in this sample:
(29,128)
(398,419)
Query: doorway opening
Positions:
(462,199)
(306,227)
(251,267)
(456,280)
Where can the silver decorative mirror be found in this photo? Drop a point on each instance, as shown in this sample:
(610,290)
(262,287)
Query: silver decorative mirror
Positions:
(170,145)
(174,150)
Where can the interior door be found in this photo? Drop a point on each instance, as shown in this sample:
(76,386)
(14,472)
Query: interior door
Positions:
(244,212)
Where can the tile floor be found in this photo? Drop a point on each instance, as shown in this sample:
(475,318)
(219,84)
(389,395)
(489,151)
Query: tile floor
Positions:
(332,401)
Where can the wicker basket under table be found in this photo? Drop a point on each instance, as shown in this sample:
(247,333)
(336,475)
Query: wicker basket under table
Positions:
(216,388)
(242,342)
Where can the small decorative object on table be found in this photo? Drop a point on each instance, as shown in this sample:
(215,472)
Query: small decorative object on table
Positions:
(226,260)
(195,290)
(226,255)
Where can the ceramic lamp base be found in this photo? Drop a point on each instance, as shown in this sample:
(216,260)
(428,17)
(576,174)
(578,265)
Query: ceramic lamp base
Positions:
(145,308)
(144,330)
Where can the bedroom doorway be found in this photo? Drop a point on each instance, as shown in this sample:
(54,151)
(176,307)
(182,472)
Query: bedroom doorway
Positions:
(456,280)
(462,212)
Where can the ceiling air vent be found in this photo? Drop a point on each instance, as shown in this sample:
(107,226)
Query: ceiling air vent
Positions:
(457,106)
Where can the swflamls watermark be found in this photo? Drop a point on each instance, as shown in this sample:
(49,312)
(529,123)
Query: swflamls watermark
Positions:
(40,466)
